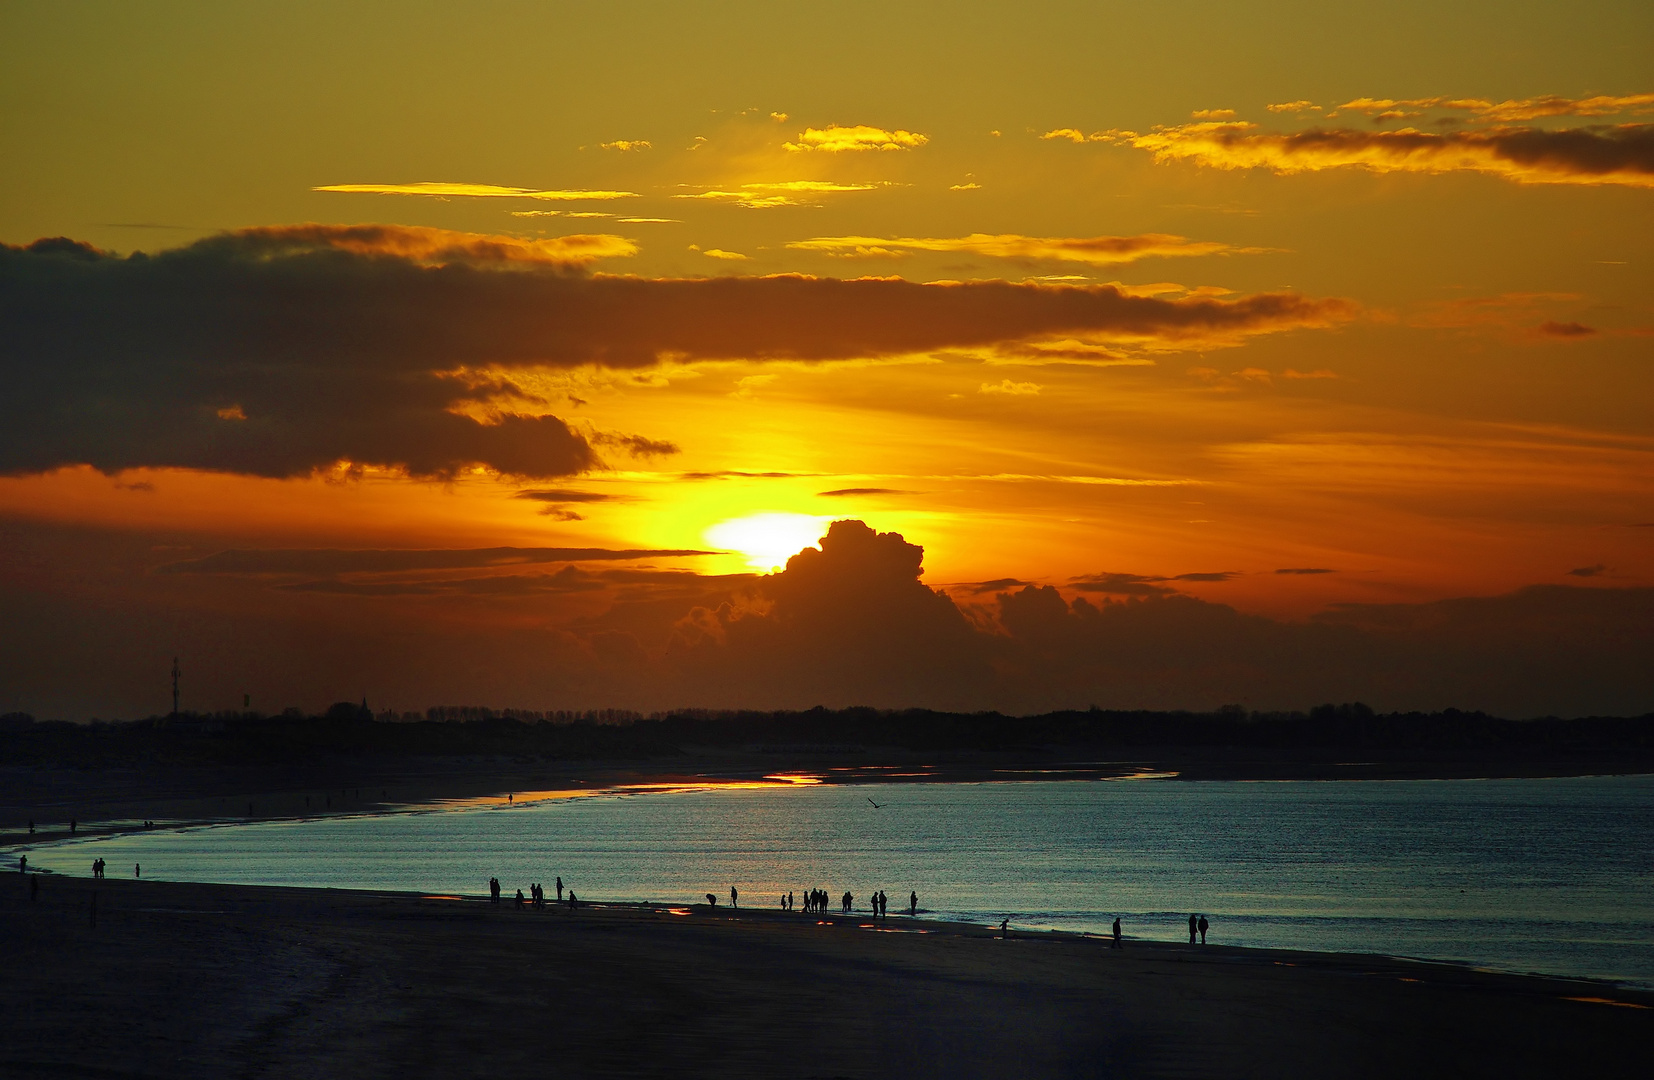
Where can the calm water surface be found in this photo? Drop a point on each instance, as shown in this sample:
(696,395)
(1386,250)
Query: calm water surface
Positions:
(1553,875)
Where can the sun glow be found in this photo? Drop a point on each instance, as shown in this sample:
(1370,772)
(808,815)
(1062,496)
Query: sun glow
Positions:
(767,540)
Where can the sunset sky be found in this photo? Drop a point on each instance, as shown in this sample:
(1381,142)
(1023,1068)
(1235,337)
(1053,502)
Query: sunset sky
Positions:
(1265,354)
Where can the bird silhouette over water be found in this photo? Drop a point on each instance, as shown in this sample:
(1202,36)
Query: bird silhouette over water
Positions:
(876,806)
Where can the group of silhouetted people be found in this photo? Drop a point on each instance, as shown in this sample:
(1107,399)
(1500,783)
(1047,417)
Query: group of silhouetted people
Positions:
(1198,926)
(536,894)
(98,866)
(817,900)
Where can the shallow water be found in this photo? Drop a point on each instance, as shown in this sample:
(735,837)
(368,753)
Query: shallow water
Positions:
(1549,875)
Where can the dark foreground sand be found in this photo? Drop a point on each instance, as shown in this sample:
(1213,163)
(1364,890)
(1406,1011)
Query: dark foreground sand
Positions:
(224,982)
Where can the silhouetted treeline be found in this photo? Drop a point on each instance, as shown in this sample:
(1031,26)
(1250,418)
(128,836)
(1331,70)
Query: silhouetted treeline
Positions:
(346,729)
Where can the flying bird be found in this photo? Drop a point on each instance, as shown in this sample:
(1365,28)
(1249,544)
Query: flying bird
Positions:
(876,806)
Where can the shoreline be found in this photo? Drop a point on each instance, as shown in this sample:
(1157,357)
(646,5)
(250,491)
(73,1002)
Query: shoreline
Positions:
(112,801)
(186,980)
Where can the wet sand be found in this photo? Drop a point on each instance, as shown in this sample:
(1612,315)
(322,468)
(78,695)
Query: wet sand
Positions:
(178,980)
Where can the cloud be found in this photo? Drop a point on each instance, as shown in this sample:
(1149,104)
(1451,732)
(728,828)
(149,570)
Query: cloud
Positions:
(1071,134)
(838,492)
(1621,154)
(728,256)
(736,474)
(972,186)
(1588,571)
(1014,389)
(1119,584)
(381,346)
(564,495)
(846,622)
(647,220)
(1503,112)
(853,624)
(1294,106)
(388,560)
(1305,570)
(768,194)
(475,191)
(1565,330)
(1213,114)
(627,144)
(835,139)
(1095,250)
(423,245)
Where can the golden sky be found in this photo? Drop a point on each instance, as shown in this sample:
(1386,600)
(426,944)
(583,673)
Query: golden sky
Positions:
(1286,312)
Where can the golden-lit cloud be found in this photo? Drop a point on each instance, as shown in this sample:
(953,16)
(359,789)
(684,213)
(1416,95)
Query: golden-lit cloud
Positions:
(1503,112)
(1596,155)
(763,195)
(627,144)
(1010,388)
(720,253)
(434,247)
(1093,251)
(474,191)
(835,138)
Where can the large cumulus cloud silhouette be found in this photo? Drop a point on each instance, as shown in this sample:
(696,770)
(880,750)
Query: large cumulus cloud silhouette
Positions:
(847,622)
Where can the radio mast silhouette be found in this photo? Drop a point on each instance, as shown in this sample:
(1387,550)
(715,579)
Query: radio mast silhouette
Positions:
(175,688)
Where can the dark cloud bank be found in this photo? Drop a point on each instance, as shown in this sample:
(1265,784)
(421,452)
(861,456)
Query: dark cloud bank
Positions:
(282,350)
(847,623)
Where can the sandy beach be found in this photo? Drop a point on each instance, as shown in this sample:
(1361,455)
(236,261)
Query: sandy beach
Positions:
(177,980)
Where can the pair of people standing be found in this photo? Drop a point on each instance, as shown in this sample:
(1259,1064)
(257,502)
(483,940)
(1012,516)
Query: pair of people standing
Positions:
(1198,926)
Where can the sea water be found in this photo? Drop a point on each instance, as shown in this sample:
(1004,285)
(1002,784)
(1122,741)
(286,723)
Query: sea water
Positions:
(1548,875)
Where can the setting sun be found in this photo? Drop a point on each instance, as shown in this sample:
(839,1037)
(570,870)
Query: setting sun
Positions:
(767,540)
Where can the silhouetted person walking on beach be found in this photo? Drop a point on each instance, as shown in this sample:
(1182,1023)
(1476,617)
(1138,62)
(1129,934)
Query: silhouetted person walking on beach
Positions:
(1004,929)
(734,897)
(1194,928)
(559,890)
(573,901)
(22,864)
(1116,932)
(137,871)
(1203,925)
(913,903)
(493,890)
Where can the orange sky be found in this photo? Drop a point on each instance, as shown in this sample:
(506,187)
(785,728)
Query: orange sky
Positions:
(1286,312)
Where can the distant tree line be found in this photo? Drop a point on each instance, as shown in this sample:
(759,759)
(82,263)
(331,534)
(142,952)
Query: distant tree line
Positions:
(351,730)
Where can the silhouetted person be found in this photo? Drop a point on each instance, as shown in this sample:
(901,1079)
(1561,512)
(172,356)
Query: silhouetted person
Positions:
(711,901)
(913,903)
(559,890)
(1116,932)
(1203,925)
(574,901)
(519,899)
(1194,928)
(137,871)
(1004,929)
(22,864)
(31,826)
(734,897)
(493,890)
(72,824)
